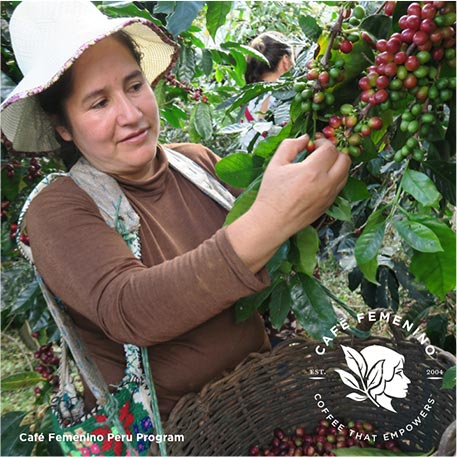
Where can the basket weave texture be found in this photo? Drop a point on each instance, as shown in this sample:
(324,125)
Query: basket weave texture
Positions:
(275,390)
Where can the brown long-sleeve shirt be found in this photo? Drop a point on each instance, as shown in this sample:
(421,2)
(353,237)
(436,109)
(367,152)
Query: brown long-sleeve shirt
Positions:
(177,300)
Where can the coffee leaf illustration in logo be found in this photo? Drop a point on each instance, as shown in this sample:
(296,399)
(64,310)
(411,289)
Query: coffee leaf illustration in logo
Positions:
(377,375)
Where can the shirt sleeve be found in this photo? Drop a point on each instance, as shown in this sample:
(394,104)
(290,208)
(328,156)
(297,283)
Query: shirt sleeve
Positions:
(89,266)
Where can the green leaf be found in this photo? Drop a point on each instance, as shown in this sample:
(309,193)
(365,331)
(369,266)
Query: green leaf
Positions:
(418,236)
(368,245)
(295,110)
(237,72)
(439,227)
(232,129)
(164,7)
(307,244)
(201,120)
(421,187)
(11,186)
(278,258)
(449,379)
(173,114)
(11,429)
(355,190)
(246,94)
(246,50)
(268,146)
(370,241)
(340,210)
(369,150)
(183,16)
(240,66)
(47,447)
(186,65)
(437,329)
(26,297)
(310,27)
(311,306)
(20,380)
(245,307)
(216,15)
(443,175)
(207,62)
(387,292)
(239,169)
(6,242)
(369,270)
(379,25)
(279,305)
(437,270)
(123,10)
(244,201)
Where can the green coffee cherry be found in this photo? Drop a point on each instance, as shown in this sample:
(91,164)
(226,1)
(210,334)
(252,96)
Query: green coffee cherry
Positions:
(413,126)
(416,109)
(398,157)
(412,143)
(427,118)
(418,155)
(346,108)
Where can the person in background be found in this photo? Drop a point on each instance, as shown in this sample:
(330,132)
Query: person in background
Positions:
(274,46)
(92,86)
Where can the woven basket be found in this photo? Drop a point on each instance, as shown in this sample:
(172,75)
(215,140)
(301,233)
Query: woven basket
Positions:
(275,390)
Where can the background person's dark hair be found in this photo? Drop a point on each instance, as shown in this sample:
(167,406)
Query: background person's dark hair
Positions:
(273,46)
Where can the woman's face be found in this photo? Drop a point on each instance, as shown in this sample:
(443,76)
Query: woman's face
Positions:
(398,386)
(112,113)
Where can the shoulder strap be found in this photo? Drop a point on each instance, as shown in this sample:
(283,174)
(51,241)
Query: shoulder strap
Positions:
(200,177)
(107,194)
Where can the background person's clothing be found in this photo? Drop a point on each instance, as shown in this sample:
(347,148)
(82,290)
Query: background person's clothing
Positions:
(251,117)
(177,300)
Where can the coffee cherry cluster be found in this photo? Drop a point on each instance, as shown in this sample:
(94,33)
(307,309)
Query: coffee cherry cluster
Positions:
(33,169)
(4,209)
(48,364)
(407,68)
(323,441)
(11,168)
(312,93)
(193,92)
(347,130)
(13,234)
(352,15)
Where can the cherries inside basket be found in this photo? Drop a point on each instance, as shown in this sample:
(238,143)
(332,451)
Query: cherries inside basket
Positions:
(323,440)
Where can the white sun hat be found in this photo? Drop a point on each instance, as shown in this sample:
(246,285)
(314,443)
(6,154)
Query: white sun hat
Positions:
(47,37)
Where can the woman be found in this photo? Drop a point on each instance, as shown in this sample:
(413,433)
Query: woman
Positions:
(178,299)
(393,383)
(280,57)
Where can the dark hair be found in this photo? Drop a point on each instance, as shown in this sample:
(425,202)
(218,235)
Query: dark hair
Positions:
(52,100)
(273,46)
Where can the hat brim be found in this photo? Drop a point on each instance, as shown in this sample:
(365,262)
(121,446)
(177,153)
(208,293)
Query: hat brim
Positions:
(25,124)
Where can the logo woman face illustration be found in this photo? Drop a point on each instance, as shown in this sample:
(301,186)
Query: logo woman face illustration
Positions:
(397,387)
(377,375)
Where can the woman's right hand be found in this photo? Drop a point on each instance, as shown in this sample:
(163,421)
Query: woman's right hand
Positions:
(291,196)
